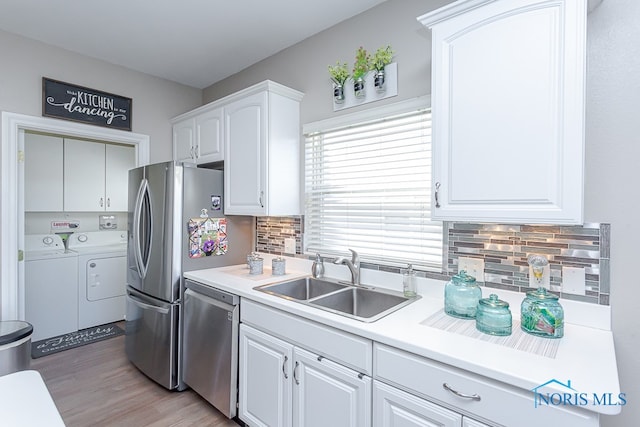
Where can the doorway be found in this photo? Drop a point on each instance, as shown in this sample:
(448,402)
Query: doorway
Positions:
(12,305)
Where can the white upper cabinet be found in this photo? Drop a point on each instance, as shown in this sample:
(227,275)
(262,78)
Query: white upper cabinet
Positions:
(95,176)
(508,95)
(198,139)
(262,151)
(84,176)
(43,173)
(118,160)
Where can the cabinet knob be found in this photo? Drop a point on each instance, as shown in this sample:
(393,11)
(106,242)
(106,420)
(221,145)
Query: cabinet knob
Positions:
(436,194)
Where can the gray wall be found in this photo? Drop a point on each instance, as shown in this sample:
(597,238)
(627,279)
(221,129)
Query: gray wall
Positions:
(612,141)
(155,101)
(304,66)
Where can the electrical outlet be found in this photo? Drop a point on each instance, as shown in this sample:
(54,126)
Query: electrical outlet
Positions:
(473,266)
(573,280)
(290,246)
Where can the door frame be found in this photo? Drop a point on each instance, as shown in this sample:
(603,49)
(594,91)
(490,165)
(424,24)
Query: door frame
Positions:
(12,204)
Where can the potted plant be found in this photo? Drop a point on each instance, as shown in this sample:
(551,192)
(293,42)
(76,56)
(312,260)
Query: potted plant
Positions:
(339,74)
(381,58)
(361,67)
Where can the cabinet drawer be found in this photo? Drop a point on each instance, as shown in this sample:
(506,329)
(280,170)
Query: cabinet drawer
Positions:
(342,347)
(495,402)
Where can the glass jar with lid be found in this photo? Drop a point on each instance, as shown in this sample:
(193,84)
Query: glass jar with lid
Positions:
(493,316)
(461,296)
(542,314)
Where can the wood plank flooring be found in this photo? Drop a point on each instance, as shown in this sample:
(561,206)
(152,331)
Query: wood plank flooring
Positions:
(95,385)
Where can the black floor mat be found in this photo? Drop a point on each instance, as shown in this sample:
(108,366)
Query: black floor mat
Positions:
(74,339)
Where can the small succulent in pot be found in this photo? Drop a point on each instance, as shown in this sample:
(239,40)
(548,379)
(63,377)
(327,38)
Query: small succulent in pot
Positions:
(361,67)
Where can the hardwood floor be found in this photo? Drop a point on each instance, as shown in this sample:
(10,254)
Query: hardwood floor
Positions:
(95,385)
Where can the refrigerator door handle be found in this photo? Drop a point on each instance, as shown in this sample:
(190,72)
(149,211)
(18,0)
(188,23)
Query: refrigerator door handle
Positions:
(135,300)
(142,225)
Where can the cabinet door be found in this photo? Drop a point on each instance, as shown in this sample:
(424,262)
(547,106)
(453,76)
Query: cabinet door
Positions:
(118,160)
(508,112)
(43,173)
(209,136)
(245,156)
(329,394)
(84,176)
(265,379)
(396,408)
(184,140)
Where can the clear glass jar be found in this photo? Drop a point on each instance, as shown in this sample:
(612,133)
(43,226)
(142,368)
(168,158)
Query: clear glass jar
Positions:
(542,315)
(493,316)
(409,282)
(461,296)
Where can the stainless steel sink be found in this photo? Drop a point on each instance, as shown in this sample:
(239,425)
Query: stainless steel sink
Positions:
(302,289)
(362,303)
(357,302)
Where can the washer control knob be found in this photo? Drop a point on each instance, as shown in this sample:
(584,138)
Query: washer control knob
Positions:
(47,240)
(82,238)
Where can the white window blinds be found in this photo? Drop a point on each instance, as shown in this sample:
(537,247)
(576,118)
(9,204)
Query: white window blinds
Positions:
(368,188)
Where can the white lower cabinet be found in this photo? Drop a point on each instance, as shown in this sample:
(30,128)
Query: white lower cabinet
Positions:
(265,379)
(466,393)
(284,385)
(396,408)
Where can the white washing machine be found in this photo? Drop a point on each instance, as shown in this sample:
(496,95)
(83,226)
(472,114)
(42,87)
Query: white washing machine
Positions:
(51,286)
(102,276)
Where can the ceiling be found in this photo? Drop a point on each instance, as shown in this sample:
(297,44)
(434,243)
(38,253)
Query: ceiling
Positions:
(193,42)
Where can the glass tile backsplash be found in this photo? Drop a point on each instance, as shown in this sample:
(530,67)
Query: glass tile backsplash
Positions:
(271,232)
(504,249)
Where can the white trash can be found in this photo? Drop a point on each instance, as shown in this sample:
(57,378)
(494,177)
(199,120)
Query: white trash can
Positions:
(15,346)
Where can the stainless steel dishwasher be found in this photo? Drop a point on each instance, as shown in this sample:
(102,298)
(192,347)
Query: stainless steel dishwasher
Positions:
(210,347)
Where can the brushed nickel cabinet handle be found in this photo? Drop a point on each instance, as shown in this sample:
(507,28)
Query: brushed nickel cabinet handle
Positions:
(284,362)
(295,374)
(474,396)
(437,189)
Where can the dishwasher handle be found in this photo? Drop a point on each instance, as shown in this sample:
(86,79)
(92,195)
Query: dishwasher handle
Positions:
(190,293)
(212,293)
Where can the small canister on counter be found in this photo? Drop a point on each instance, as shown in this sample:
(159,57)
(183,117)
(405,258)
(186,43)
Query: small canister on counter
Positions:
(461,296)
(255,264)
(278,266)
(493,316)
(542,314)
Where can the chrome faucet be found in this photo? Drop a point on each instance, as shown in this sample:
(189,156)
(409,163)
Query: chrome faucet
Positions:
(354,266)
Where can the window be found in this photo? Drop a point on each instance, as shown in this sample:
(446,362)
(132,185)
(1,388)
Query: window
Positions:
(368,187)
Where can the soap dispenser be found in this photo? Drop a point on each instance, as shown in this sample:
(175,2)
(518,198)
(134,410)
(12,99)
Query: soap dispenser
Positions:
(317,269)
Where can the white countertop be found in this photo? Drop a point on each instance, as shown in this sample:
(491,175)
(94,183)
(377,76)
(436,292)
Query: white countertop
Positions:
(585,355)
(26,402)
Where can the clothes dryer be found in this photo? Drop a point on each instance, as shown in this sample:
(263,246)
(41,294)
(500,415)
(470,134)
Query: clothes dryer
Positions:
(102,276)
(51,286)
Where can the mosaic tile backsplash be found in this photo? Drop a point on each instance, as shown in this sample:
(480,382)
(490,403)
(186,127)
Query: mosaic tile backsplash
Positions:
(505,248)
(271,232)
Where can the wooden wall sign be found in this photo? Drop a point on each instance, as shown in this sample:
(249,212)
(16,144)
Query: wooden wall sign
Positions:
(80,104)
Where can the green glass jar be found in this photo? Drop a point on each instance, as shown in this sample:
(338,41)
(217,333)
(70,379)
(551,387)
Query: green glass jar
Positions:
(461,296)
(542,314)
(493,316)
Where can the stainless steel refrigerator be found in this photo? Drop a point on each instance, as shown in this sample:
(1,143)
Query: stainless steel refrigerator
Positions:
(166,203)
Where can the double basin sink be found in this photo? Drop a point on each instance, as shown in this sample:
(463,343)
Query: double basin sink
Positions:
(358,302)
